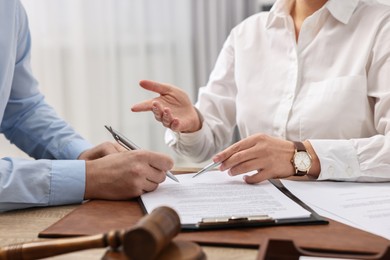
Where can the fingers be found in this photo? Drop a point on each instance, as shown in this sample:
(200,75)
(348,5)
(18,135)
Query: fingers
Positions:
(151,86)
(142,107)
(157,110)
(172,104)
(150,178)
(167,118)
(153,179)
(245,166)
(156,87)
(235,154)
(164,115)
(159,88)
(154,175)
(104,149)
(119,147)
(125,175)
(228,152)
(99,151)
(270,157)
(161,114)
(110,148)
(175,125)
(149,185)
(160,162)
(257,177)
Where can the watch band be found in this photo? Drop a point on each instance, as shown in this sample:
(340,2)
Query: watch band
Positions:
(299,147)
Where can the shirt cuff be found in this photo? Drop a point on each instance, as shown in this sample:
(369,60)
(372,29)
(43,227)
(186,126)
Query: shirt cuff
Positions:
(67,185)
(75,148)
(338,159)
(172,138)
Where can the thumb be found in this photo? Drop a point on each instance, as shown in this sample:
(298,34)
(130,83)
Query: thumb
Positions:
(258,177)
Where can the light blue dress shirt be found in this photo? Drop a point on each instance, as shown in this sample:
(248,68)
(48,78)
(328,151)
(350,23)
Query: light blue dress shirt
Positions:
(31,124)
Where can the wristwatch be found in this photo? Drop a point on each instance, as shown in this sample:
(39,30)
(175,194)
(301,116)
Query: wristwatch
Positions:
(301,160)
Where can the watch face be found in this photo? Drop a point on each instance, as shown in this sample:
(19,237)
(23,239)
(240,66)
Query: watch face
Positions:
(302,161)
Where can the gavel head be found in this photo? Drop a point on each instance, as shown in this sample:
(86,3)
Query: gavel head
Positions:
(151,234)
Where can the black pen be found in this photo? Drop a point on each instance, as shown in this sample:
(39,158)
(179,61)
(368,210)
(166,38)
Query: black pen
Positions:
(129,145)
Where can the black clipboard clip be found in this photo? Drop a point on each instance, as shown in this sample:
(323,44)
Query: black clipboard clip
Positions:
(235,221)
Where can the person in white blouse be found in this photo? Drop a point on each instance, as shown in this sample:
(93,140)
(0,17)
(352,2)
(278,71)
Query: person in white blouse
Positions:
(315,72)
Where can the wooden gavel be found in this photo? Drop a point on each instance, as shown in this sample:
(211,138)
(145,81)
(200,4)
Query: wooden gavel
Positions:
(144,241)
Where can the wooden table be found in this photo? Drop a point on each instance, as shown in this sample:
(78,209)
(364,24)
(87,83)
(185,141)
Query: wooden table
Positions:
(24,225)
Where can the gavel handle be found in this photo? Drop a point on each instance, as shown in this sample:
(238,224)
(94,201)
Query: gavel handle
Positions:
(37,250)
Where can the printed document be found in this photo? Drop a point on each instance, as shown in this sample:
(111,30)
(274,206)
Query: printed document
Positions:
(216,194)
(362,205)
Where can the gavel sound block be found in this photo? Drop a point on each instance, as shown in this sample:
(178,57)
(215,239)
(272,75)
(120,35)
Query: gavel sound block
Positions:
(148,239)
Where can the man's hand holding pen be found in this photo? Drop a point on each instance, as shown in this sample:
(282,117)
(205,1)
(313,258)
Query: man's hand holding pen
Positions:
(129,145)
(116,173)
(125,175)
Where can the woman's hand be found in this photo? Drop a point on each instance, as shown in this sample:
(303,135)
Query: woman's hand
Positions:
(172,108)
(269,156)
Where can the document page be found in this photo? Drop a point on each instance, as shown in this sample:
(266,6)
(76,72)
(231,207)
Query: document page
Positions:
(216,194)
(362,205)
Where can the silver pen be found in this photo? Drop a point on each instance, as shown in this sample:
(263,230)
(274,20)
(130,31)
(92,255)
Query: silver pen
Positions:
(129,145)
(207,168)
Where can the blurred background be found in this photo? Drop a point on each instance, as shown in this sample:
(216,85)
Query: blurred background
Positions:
(89,56)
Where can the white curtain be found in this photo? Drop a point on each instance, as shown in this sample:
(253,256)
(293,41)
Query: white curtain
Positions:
(89,56)
(211,23)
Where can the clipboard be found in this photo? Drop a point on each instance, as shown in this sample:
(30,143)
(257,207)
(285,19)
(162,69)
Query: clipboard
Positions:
(99,216)
(247,221)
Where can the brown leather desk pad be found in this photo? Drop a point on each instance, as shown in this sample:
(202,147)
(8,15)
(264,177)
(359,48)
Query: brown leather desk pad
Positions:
(99,216)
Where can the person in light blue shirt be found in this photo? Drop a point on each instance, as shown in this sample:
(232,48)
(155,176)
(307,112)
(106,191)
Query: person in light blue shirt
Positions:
(66,168)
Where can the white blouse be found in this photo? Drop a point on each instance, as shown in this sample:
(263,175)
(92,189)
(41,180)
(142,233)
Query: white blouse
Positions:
(332,87)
